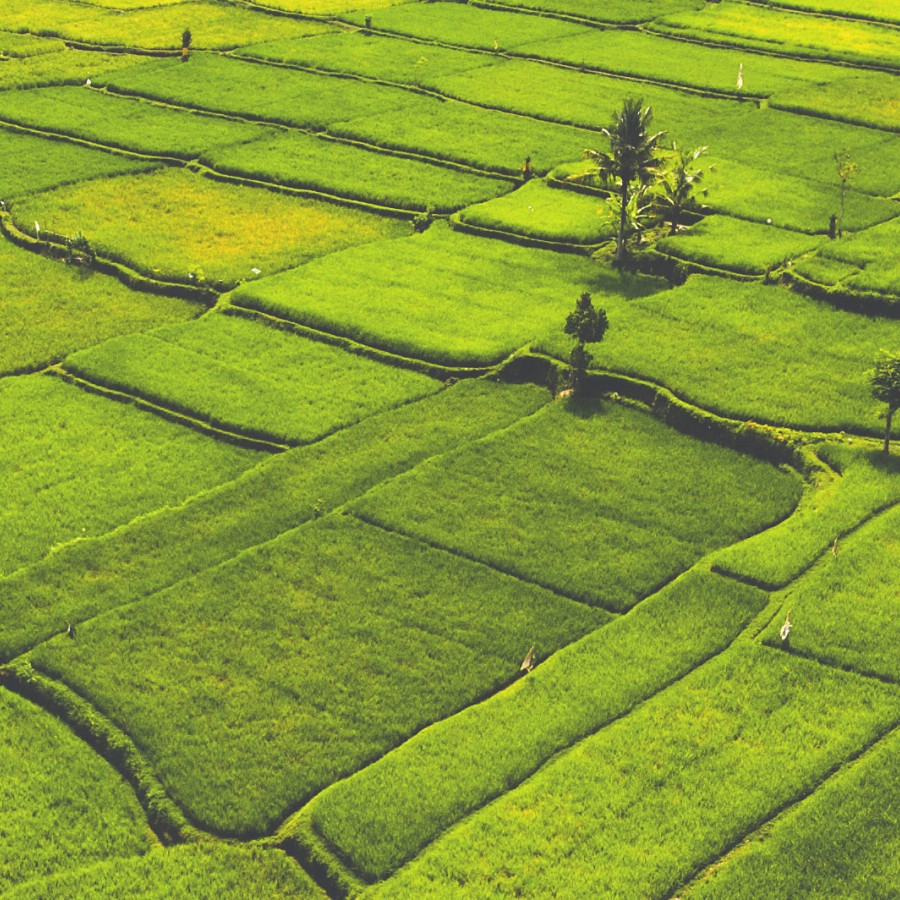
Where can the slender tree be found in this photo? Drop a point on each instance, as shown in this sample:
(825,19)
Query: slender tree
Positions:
(186,39)
(846,172)
(885,383)
(588,326)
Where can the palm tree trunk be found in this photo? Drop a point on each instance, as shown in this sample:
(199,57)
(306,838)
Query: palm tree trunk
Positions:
(887,430)
(620,247)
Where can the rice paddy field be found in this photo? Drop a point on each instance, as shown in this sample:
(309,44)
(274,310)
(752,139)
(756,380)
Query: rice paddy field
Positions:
(323,574)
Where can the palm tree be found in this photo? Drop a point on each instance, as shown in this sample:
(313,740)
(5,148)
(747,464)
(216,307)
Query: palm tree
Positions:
(633,156)
(678,184)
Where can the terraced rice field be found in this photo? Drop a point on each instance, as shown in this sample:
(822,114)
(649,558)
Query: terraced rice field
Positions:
(321,574)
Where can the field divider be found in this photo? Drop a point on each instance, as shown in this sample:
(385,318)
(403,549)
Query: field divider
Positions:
(821,13)
(512,237)
(173,415)
(761,828)
(852,300)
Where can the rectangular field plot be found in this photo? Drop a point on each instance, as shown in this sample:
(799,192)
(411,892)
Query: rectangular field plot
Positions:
(209,869)
(346,170)
(637,809)
(181,227)
(51,310)
(843,841)
(755,352)
(22,46)
(66,67)
(736,245)
(617,11)
(422,298)
(846,610)
(251,379)
(64,807)
(127,124)
(215,26)
(32,164)
(602,503)
(76,465)
(877,10)
(308,656)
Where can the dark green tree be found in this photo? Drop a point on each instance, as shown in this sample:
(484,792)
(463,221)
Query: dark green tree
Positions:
(186,39)
(884,380)
(588,326)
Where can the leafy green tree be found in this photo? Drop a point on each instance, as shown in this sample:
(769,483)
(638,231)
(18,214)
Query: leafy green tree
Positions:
(677,185)
(846,172)
(588,326)
(633,157)
(884,380)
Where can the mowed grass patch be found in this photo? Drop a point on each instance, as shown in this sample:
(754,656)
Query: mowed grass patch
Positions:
(840,842)
(543,213)
(207,870)
(68,66)
(750,351)
(51,310)
(388,812)
(598,501)
(246,377)
(32,164)
(126,124)
(736,245)
(87,577)
(422,297)
(346,170)
(638,808)
(182,227)
(864,482)
(788,33)
(64,807)
(846,610)
(336,631)
(214,26)
(77,465)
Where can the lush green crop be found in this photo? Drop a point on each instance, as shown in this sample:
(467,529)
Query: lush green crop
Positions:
(332,167)
(879,10)
(841,842)
(50,310)
(736,245)
(63,806)
(750,351)
(65,67)
(389,811)
(866,482)
(210,871)
(537,211)
(196,230)
(130,125)
(864,261)
(638,808)
(22,46)
(79,465)
(245,377)
(214,26)
(743,25)
(33,164)
(423,298)
(625,11)
(337,649)
(89,576)
(845,609)
(599,502)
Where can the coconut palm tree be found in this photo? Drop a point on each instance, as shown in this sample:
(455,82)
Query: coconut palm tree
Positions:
(678,186)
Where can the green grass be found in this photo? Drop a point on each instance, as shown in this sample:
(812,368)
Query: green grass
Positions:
(87,577)
(421,297)
(865,261)
(638,808)
(193,870)
(541,212)
(841,842)
(65,67)
(303,161)
(338,651)
(619,11)
(51,310)
(23,46)
(32,164)
(600,502)
(789,33)
(172,224)
(388,812)
(878,10)
(129,125)
(246,377)
(81,465)
(63,806)
(214,26)
(748,351)
(844,611)
(736,245)
(866,482)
